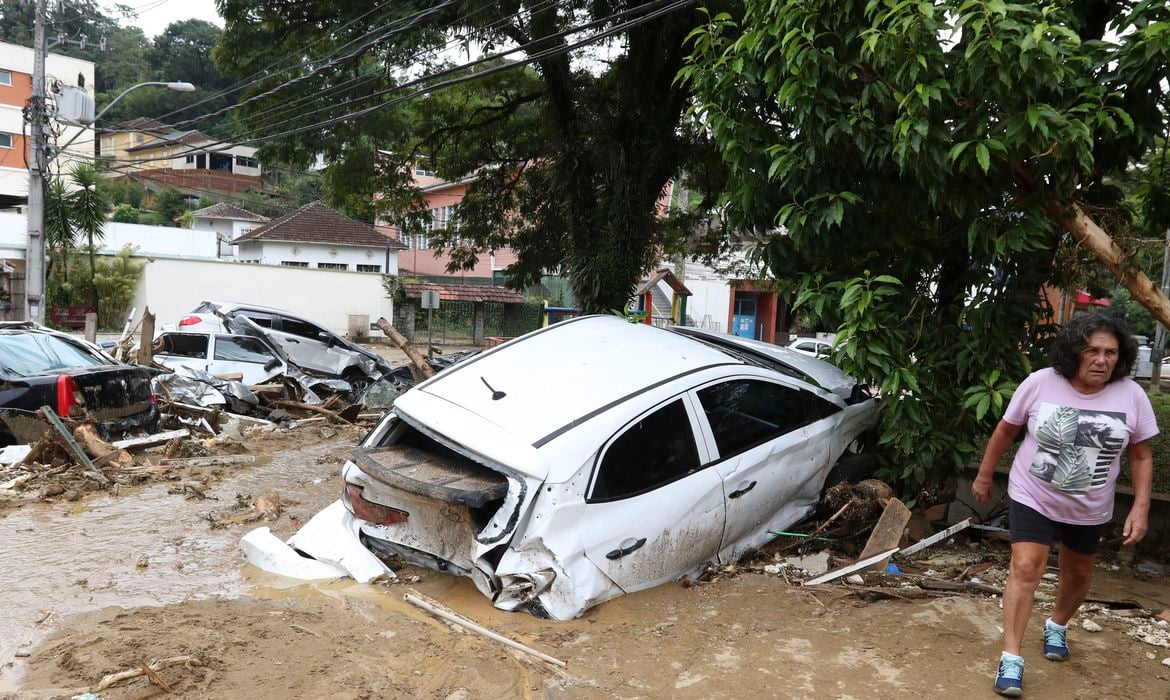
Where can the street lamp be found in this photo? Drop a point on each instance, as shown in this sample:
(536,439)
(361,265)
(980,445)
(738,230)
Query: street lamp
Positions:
(35,252)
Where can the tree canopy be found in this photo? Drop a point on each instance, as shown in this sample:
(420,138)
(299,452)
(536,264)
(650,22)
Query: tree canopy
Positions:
(927,167)
(567,157)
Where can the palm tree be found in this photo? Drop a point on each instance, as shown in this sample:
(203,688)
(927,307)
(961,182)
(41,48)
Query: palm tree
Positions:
(89,211)
(59,234)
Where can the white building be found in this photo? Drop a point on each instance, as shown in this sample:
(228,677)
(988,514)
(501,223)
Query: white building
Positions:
(316,236)
(16,67)
(228,223)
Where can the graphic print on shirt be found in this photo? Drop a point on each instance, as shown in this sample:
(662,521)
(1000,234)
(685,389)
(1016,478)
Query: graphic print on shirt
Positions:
(1076,446)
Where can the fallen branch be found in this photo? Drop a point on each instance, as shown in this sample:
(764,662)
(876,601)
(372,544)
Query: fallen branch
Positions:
(157,665)
(482,631)
(417,360)
(154,677)
(306,630)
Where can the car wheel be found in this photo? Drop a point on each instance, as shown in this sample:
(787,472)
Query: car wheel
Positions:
(358,381)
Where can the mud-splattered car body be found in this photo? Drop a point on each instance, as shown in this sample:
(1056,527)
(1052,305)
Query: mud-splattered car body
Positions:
(596,457)
(41,367)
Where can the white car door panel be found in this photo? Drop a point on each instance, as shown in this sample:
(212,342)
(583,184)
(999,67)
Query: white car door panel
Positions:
(766,438)
(652,510)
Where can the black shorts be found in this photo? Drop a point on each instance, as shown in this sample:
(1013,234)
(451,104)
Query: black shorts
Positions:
(1027,525)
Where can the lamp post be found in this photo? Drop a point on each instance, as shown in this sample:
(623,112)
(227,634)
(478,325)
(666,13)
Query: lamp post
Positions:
(34,277)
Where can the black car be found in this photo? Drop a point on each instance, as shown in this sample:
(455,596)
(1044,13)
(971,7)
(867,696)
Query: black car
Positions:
(40,367)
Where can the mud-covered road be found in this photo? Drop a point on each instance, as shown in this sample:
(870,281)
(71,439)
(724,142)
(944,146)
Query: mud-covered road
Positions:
(97,586)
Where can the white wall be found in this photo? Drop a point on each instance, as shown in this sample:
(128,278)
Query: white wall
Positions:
(172,288)
(149,240)
(276,252)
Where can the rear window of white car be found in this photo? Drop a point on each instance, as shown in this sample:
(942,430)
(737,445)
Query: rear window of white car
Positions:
(744,413)
(192,345)
(654,451)
(30,354)
(240,348)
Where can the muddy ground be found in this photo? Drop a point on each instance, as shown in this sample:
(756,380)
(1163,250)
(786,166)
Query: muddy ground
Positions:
(96,586)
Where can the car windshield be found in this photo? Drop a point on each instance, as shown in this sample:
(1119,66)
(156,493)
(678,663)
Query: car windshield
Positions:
(29,354)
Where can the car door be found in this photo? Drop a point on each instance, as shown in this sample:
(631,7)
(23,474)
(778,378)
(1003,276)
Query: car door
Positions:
(652,512)
(765,448)
(174,350)
(303,343)
(246,356)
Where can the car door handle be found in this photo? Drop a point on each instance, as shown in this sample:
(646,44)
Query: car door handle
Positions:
(292,340)
(626,547)
(742,491)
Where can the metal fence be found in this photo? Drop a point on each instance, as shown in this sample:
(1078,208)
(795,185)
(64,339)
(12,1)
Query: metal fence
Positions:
(454,322)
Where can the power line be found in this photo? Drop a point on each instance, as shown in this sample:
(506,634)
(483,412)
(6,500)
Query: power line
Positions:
(540,56)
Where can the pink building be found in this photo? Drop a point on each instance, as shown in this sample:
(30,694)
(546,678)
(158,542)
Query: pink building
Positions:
(419,257)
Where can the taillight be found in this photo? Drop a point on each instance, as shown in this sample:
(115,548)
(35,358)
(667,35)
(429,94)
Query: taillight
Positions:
(70,400)
(190,321)
(373,512)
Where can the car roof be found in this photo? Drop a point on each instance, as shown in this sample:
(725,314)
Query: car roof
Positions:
(562,374)
(233,305)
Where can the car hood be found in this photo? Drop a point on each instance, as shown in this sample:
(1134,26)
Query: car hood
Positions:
(822,374)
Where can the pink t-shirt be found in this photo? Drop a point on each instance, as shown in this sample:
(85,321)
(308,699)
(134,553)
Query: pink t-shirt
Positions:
(1067,467)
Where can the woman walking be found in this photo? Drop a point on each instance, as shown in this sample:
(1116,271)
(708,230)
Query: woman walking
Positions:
(1081,414)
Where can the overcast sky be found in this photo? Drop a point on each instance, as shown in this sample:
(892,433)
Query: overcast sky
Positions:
(155,15)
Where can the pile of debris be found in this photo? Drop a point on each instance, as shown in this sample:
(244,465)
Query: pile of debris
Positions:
(201,415)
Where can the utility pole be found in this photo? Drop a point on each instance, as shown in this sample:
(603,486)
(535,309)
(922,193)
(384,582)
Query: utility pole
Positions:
(34,269)
(1158,350)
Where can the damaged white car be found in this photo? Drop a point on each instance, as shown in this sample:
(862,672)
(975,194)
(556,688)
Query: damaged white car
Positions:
(596,457)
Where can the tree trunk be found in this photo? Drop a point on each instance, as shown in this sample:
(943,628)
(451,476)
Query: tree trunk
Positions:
(1086,231)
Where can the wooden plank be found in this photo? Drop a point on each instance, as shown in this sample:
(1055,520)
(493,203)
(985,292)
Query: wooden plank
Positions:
(71,445)
(151,440)
(846,570)
(887,534)
(220,461)
(937,537)
(146,342)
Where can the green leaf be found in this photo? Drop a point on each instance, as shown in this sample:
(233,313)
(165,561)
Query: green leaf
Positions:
(983,156)
(957,150)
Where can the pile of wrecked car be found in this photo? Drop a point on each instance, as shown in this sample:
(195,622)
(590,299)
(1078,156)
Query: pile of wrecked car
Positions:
(76,417)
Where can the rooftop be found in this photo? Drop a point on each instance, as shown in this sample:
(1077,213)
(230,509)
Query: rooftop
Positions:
(223,210)
(463,292)
(317,223)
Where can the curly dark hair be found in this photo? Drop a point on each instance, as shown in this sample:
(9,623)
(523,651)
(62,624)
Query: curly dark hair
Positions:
(1072,339)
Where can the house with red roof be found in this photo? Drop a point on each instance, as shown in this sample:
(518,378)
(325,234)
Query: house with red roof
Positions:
(318,237)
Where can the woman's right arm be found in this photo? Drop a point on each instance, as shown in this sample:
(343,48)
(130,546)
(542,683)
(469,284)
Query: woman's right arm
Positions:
(999,443)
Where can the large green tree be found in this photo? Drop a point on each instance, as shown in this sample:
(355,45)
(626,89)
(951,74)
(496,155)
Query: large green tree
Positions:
(569,156)
(927,167)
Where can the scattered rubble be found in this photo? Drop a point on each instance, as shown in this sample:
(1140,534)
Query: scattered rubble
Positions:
(205,422)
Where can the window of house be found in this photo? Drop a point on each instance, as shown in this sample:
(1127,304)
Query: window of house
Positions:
(183,345)
(5,77)
(5,140)
(241,348)
(332,266)
(189,159)
(246,162)
(424,173)
(108,145)
(369,268)
(139,138)
(654,451)
(744,413)
(293,263)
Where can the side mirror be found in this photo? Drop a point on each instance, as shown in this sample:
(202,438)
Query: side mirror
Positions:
(325,338)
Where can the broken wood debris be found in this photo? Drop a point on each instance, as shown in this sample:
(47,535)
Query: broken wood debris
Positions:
(449,616)
(188,662)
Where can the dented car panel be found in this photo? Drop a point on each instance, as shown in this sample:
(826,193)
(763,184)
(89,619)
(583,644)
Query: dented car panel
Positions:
(691,455)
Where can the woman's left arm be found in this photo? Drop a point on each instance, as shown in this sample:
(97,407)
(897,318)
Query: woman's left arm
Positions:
(1141,474)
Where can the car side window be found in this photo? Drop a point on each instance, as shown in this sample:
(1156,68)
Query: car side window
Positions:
(262,320)
(299,327)
(241,348)
(182,345)
(807,347)
(653,451)
(744,413)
